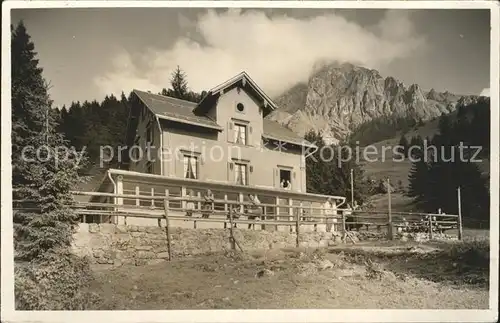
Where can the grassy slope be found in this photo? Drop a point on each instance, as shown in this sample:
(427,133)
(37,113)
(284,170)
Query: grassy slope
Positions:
(408,276)
(386,167)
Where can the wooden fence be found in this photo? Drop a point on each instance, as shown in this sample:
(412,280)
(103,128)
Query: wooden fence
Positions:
(231,213)
(234,211)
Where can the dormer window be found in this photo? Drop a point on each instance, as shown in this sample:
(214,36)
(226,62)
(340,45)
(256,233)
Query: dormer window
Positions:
(240,107)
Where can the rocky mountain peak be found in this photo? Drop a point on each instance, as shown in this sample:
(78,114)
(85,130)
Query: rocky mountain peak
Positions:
(338,98)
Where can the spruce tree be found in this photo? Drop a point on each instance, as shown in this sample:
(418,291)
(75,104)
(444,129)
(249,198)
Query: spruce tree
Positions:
(326,175)
(434,183)
(179,84)
(418,179)
(403,145)
(44,180)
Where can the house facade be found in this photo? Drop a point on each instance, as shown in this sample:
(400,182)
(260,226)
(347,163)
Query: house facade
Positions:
(225,138)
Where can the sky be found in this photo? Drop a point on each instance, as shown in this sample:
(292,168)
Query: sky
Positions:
(89,53)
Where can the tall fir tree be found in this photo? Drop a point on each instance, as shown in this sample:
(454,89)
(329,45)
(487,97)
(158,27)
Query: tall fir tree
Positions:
(434,182)
(403,145)
(42,173)
(418,179)
(179,84)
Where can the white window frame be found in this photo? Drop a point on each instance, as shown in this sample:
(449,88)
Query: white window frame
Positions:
(240,131)
(241,168)
(193,161)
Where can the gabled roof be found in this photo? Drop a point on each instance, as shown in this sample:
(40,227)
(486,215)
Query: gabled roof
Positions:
(182,111)
(275,131)
(177,110)
(246,81)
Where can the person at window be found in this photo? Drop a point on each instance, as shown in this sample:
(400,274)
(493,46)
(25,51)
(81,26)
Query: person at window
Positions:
(190,203)
(208,204)
(282,183)
(288,185)
(254,210)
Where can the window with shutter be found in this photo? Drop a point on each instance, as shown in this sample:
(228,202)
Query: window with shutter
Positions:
(229,172)
(249,139)
(229,131)
(276,177)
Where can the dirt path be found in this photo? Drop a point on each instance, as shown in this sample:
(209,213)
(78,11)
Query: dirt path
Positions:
(386,276)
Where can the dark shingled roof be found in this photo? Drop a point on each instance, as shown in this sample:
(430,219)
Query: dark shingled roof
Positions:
(182,111)
(175,109)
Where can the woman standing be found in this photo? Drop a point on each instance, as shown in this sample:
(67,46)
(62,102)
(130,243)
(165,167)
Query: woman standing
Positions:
(207,204)
(330,212)
(254,210)
(190,204)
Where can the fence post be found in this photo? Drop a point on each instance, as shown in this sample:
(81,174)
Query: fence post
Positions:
(352,187)
(241,207)
(344,229)
(389,224)
(277,211)
(137,192)
(153,204)
(183,195)
(315,226)
(198,207)
(264,211)
(231,233)
(459,214)
(167,228)
(430,227)
(166,203)
(119,200)
(297,227)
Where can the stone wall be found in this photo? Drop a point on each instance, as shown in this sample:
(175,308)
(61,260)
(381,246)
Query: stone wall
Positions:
(129,244)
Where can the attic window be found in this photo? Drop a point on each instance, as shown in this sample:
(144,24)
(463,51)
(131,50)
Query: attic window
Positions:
(240,107)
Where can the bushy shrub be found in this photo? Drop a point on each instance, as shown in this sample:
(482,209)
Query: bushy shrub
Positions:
(474,253)
(54,281)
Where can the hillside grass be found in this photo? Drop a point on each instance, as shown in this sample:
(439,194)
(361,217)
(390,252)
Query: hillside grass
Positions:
(376,275)
(386,167)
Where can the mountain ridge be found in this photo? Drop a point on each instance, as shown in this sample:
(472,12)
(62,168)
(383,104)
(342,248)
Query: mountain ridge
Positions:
(338,98)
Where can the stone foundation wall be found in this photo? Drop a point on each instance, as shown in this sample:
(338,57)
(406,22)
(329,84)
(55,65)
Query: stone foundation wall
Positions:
(129,244)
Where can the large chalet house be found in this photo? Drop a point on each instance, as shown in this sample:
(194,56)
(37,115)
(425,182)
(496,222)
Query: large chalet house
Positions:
(224,138)
(224,143)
